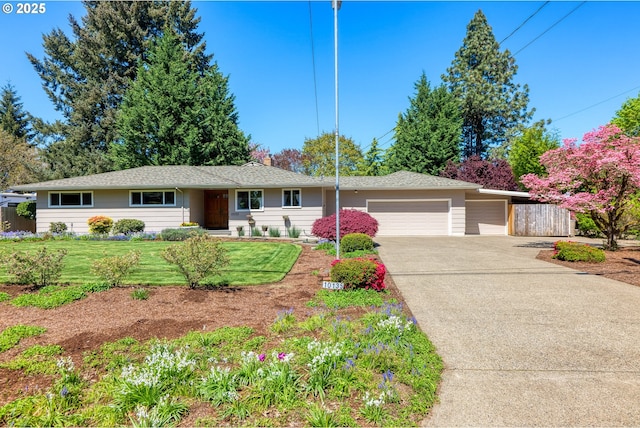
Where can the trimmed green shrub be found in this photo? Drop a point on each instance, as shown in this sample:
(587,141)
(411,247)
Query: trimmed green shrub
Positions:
(113,270)
(57,227)
(40,268)
(359,273)
(27,209)
(197,258)
(181,234)
(577,252)
(356,242)
(100,224)
(127,226)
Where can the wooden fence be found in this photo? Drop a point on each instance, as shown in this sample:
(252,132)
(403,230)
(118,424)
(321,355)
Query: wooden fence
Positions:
(17,223)
(539,220)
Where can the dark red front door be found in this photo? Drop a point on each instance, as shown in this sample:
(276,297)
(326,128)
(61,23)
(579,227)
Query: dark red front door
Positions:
(216,209)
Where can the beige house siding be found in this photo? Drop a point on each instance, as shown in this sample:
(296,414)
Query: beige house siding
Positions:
(110,203)
(194,199)
(273,212)
(350,199)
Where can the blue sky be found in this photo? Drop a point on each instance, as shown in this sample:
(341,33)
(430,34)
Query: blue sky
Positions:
(579,71)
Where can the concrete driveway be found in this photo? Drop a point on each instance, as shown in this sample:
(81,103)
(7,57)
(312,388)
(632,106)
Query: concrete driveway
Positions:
(524,342)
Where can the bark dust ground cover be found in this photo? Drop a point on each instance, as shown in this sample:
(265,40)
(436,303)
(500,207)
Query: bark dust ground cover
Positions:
(621,265)
(170,312)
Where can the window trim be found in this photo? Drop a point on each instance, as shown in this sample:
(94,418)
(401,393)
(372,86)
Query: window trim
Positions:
(248,191)
(143,205)
(299,198)
(60,193)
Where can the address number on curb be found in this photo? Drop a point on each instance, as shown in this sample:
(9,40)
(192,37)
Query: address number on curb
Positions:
(332,285)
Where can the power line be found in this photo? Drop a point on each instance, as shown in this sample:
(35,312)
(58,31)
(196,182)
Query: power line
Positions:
(313,60)
(553,25)
(596,104)
(524,22)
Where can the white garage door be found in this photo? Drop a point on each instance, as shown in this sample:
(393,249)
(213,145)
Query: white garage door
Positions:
(486,217)
(411,218)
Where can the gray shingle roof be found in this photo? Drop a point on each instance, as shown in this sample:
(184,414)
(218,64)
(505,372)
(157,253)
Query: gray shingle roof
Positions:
(148,177)
(234,177)
(403,180)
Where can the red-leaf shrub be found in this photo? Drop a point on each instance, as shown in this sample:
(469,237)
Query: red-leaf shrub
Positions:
(359,273)
(351,221)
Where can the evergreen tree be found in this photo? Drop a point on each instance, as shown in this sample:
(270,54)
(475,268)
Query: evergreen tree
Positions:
(86,75)
(494,108)
(428,133)
(173,115)
(628,117)
(373,161)
(526,149)
(13,119)
(319,156)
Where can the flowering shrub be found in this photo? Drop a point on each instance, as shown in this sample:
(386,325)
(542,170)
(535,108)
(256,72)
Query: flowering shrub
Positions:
(576,252)
(356,242)
(351,221)
(100,224)
(359,273)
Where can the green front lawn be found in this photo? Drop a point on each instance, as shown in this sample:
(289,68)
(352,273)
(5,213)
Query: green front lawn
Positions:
(251,262)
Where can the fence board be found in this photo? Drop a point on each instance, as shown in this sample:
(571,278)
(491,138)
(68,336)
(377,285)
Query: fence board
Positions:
(17,223)
(540,220)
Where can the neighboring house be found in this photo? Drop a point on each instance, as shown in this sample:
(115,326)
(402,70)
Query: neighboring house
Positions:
(10,199)
(222,198)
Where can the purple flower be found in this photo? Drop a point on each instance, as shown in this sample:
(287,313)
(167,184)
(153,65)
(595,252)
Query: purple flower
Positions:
(282,355)
(64,391)
(261,357)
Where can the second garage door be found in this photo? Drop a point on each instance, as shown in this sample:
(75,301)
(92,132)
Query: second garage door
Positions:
(411,218)
(486,217)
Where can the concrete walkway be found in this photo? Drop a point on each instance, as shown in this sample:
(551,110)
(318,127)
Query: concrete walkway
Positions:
(525,342)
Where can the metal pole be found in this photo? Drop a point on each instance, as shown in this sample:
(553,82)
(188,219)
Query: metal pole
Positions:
(335,4)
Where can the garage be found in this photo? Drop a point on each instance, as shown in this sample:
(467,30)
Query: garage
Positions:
(427,217)
(486,217)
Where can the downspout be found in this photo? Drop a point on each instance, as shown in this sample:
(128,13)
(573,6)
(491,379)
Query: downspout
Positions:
(181,203)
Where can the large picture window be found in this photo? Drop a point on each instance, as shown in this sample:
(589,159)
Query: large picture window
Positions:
(70,199)
(249,200)
(156,197)
(291,198)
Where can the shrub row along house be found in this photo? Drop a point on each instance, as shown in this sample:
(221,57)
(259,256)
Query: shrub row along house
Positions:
(225,197)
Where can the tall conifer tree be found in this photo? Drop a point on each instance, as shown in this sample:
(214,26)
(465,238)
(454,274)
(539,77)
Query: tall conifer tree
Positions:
(494,108)
(428,133)
(86,75)
(172,115)
(13,119)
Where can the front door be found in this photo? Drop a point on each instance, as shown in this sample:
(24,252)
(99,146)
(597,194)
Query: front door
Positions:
(216,209)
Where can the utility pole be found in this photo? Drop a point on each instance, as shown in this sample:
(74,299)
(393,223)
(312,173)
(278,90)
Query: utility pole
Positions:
(335,4)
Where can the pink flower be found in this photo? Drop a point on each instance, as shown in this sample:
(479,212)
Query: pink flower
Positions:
(281,356)
(261,357)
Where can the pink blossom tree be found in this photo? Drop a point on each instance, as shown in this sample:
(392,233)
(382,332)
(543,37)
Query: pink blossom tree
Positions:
(598,178)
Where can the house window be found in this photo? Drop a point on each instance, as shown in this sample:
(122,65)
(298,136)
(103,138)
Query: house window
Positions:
(291,198)
(70,199)
(156,197)
(249,200)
